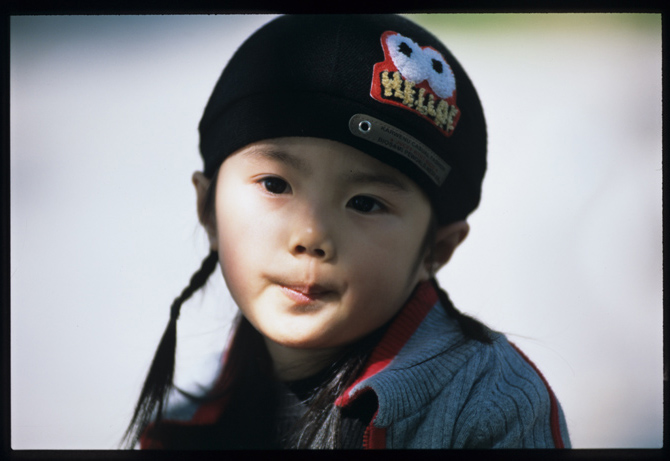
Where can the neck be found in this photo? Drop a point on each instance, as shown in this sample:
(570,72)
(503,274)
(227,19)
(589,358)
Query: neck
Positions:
(291,363)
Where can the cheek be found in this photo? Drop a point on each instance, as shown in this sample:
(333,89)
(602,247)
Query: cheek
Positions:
(383,270)
(237,236)
(248,237)
(389,253)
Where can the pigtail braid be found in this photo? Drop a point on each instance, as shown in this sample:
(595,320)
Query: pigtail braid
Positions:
(471,328)
(159,379)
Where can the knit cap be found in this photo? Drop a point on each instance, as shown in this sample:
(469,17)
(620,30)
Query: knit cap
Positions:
(378,83)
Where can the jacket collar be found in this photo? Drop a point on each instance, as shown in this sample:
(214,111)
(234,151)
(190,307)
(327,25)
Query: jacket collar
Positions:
(399,332)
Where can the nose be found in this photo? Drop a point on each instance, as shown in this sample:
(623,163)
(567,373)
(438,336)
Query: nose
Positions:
(312,236)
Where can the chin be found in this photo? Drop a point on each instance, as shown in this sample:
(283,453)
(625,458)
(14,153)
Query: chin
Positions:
(305,339)
(301,342)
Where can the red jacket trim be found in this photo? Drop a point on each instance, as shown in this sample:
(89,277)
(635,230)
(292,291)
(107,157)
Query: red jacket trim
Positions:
(395,338)
(401,329)
(553,414)
(374,438)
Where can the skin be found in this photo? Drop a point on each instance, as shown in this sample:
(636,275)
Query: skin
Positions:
(319,244)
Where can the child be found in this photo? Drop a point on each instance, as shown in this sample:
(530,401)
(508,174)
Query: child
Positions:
(342,156)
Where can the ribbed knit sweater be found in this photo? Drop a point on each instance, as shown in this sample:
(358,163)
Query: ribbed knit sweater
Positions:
(435,389)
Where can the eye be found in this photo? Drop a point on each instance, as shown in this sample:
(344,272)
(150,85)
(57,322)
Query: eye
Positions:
(440,77)
(274,185)
(365,204)
(408,57)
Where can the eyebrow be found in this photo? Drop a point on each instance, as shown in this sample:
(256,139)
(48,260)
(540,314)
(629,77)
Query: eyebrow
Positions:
(364,178)
(281,157)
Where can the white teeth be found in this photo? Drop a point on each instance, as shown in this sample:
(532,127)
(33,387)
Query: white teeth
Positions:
(418,64)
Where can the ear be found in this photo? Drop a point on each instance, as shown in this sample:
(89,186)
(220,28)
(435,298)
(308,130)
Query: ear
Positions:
(201,183)
(447,238)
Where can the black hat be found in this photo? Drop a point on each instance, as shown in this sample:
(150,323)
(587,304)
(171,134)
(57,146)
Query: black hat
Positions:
(379,83)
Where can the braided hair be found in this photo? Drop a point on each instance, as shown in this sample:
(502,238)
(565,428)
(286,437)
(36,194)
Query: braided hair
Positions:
(159,379)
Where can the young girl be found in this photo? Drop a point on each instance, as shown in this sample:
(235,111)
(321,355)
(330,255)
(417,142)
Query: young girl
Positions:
(342,155)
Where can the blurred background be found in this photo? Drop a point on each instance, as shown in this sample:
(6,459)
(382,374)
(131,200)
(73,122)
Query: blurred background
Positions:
(564,254)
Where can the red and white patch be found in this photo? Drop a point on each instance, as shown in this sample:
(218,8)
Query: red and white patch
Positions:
(418,79)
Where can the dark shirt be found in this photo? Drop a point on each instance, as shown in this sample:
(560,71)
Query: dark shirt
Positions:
(268,421)
(293,402)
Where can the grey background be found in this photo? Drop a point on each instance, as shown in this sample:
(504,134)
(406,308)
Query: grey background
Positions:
(564,253)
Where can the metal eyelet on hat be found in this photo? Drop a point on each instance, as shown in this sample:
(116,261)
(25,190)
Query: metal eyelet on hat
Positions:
(401,143)
(364,126)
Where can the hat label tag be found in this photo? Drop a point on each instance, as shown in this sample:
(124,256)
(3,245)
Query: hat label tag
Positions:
(396,140)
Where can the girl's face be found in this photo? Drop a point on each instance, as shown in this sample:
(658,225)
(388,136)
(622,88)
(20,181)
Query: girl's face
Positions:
(319,243)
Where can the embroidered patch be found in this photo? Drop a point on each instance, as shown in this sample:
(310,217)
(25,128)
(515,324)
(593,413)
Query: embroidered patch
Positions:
(416,78)
(392,138)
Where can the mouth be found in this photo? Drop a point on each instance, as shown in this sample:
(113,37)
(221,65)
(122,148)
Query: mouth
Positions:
(307,294)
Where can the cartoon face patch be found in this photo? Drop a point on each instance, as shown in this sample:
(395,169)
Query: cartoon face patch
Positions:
(416,78)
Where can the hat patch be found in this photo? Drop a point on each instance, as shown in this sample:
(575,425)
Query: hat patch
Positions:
(416,78)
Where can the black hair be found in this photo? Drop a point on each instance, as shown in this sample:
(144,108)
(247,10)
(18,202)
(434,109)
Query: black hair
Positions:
(249,363)
(161,372)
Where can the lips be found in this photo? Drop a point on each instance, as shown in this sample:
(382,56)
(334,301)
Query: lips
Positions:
(306,294)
